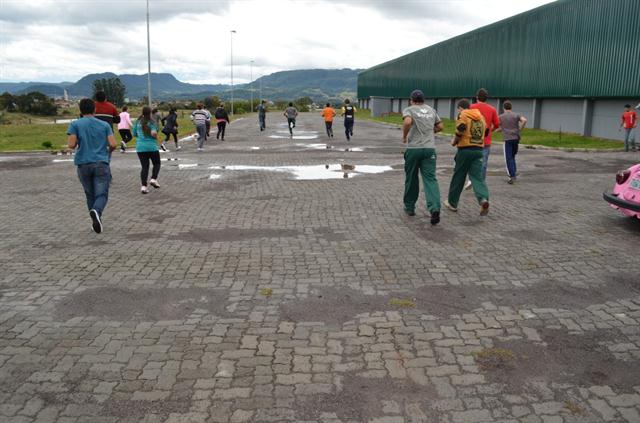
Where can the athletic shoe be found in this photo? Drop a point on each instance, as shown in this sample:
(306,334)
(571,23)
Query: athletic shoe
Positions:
(154,183)
(435,217)
(449,206)
(178,147)
(200,148)
(484,208)
(144,190)
(96,224)
(510,181)
(123,146)
(410,212)
(163,147)
(467,185)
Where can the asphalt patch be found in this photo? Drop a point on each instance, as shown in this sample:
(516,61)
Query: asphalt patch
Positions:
(362,399)
(23,163)
(582,360)
(144,304)
(234,234)
(333,306)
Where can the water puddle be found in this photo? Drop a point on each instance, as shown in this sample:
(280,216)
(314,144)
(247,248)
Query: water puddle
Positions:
(315,172)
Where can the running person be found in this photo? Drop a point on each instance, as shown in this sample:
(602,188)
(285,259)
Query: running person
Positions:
(511,124)
(106,111)
(328,113)
(222,118)
(262,115)
(291,113)
(146,133)
(200,118)
(170,127)
(124,128)
(349,113)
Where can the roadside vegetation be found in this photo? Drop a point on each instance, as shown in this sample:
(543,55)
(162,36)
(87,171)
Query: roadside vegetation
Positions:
(537,137)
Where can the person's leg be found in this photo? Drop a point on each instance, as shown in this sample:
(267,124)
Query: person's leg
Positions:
(429,179)
(347,132)
(175,139)
(485,160)
(626,139)
(460,171)
(475,176)
(326,126)
(219,130)
(144,171)
(155,160)
(201,135)
(411,182)
(101,178)
(290,125)
(224,127)
(516,145)
(85,175)
(509,158)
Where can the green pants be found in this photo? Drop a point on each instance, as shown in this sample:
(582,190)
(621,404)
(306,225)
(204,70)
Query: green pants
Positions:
(423,161)
(468,162)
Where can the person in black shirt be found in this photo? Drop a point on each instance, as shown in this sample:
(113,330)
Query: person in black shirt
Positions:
(222,118)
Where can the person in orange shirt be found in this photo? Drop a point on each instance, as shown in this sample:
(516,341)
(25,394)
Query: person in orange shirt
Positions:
(628,122)
(328,113)
(491,120)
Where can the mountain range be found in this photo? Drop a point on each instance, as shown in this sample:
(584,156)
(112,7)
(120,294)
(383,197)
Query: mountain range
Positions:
(318,84)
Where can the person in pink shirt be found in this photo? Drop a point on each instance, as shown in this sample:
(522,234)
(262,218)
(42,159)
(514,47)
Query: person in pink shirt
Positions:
(491,119)
(124,127)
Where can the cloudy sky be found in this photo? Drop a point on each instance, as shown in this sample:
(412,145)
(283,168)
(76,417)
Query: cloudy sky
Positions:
(63,40)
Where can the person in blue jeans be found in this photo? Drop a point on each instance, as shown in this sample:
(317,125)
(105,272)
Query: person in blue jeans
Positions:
(93,141)
(511,124)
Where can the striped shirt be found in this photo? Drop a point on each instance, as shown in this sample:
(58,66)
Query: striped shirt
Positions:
(200,117)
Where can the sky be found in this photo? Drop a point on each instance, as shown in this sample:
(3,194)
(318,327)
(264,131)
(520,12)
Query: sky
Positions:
(63,40)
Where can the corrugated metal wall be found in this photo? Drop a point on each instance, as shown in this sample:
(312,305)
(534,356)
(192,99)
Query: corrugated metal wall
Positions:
(570,48)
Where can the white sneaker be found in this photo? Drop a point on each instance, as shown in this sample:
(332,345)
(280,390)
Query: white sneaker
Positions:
(449,206)
(154,183)
(467,185)
(144,190)
(200,149)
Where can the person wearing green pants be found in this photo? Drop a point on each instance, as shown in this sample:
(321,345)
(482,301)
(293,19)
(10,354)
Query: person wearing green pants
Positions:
(469,139)
(420,123)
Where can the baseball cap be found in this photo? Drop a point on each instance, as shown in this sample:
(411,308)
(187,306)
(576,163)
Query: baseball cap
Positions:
(417,95)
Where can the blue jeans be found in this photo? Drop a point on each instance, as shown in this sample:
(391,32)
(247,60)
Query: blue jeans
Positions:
(510,151)
(485,160)
(202,134)
(95,178)
(629,139)
(261,121)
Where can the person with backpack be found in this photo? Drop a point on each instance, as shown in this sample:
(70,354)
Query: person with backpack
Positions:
(222,118)
(328,113)
(349,113)
(170,127)
(291,113)
(470,137)
(146,133)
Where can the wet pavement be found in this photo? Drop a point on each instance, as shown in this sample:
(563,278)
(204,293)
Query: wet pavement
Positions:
(273,279)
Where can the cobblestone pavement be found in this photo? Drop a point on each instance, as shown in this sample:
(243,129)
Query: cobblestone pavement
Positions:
(238,293)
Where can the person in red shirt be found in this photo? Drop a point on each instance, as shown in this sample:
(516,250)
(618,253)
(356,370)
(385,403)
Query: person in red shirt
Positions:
(491,120)
(628,122)
(105,110)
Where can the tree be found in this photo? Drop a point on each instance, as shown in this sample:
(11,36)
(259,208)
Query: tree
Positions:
(211,102)
(113,88)
(34,103)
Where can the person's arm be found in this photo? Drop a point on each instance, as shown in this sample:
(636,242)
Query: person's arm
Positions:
(461,127)
(522,123)
(111,140)
(72,141)
(407,122)
(438,127)
(495,122)
(343,111)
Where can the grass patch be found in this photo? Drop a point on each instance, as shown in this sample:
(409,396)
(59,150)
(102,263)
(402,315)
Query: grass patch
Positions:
(494,358)
(402,302)
(537,137)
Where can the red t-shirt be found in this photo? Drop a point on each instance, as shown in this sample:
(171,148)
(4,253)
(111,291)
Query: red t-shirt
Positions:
(629,119)
(107,112)
(490,118)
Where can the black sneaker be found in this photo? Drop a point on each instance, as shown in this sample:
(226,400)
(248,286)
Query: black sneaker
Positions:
(435,217)
(96,224)
(162,147)
(410,212)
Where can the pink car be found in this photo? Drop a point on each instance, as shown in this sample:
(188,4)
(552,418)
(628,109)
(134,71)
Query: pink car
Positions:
(626,193)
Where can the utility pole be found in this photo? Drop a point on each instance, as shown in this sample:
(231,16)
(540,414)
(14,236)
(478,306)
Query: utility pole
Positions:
(251,82)
(233,31)
(148,59)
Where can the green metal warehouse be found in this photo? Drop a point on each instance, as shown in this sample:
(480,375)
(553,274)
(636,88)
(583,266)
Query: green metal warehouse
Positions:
(570,65)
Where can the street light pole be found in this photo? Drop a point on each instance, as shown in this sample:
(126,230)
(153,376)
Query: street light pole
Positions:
(148,59)
(233,31)
(251,83)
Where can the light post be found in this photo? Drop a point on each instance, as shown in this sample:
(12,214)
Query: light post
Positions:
(260,85)
(148,59)
(251,82)
(233,31)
